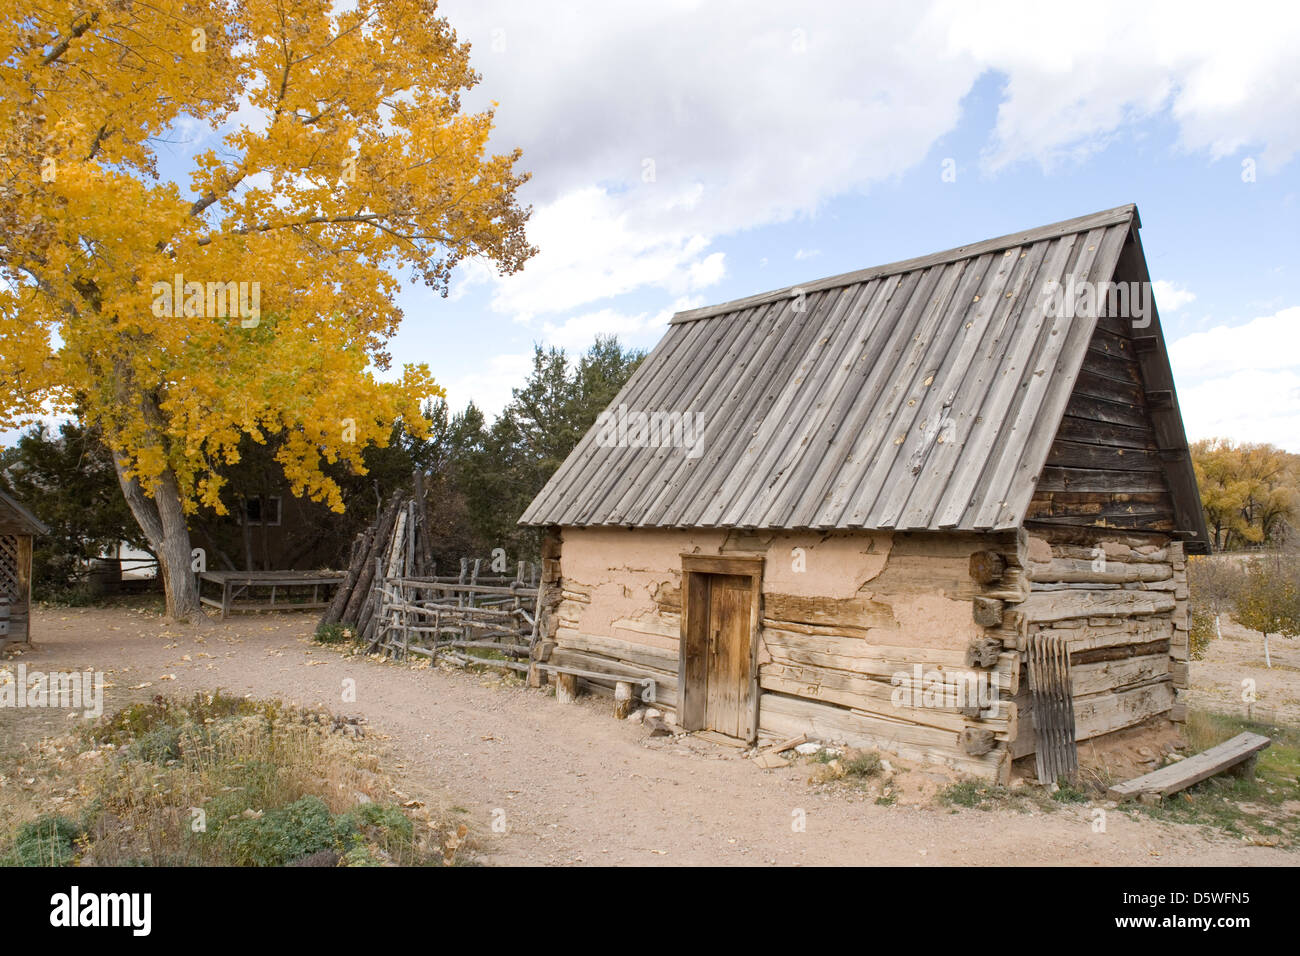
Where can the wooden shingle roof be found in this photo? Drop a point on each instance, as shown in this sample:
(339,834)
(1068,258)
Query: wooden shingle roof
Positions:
(919,395)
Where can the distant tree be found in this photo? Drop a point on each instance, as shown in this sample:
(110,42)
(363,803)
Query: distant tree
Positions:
(544,421)
(68,480)
(1250,492)
(1269,599)
(455,442)
(1214,583)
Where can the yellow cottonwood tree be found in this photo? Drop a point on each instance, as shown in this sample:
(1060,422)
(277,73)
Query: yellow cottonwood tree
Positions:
(1250,492)
(258,297)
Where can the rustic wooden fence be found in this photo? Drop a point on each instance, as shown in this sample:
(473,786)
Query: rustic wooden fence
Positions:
(479,623)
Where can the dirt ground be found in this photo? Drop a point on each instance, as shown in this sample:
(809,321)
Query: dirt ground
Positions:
(1239,656)
(573,786)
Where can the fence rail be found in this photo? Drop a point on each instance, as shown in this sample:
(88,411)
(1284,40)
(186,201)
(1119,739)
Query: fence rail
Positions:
(437,618)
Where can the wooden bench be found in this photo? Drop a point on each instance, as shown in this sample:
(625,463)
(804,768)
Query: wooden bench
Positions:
(1239,752)
(237,588)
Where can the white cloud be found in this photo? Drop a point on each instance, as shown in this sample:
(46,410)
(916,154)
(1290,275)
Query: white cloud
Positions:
(577,333)
(758,112)
(489,387)
(1226,76)
(1268,342)
(595,246)
(1246,406)
(708,271)
(807,254)
(1170,297)
(1242,382)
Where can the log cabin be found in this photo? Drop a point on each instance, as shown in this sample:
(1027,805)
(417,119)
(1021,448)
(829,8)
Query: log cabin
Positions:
(823,508)
(18,528)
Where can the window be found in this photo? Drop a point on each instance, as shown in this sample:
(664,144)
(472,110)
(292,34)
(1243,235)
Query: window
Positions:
(262,510)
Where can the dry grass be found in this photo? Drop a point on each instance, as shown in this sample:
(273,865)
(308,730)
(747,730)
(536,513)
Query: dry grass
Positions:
(219,780)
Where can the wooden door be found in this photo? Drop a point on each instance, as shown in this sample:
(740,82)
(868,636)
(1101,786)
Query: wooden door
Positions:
(726,701)
(716,670)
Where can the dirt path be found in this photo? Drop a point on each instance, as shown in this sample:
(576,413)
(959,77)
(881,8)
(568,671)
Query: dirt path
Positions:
(576,786)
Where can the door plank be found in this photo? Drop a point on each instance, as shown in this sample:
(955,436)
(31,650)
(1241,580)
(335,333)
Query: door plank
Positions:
(729,651)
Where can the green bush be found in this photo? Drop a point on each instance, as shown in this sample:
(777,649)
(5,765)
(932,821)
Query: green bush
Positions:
(386,818)
(1066,792)
(285,834)
(159,744)
(47,841)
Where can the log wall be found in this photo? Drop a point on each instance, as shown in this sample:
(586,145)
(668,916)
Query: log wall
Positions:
(1120,600)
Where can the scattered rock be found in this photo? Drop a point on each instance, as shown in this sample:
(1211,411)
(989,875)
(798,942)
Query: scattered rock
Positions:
(807,749)
(657,727)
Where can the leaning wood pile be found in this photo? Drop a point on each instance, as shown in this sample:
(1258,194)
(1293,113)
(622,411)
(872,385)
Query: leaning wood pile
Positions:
(398,605)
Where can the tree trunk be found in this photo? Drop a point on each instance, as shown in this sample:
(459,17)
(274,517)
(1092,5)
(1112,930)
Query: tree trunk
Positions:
(1267,662)
(162,519)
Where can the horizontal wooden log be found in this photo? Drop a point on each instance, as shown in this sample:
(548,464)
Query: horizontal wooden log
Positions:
(1131,631)
(1100,714)
(1120,652)
(1043,606)
(1100,571)
(666,627)
(1089,384)
(1106,411)
(638,653)
(1124,436)
(665,683)
(854,655)
(1073,454)
(877,699)
(783,716)
(1094,678)
(860,613)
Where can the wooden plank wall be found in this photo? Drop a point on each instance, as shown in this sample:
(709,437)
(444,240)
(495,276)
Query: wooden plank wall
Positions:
(1123,612)
(1105,466)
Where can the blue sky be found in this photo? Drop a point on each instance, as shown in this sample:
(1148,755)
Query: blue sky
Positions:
(828,153)
(686,153)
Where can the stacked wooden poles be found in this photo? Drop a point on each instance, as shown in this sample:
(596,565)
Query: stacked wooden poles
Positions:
(397,541)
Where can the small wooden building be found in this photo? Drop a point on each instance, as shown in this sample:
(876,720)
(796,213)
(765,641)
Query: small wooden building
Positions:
(810,507)
(18,527)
